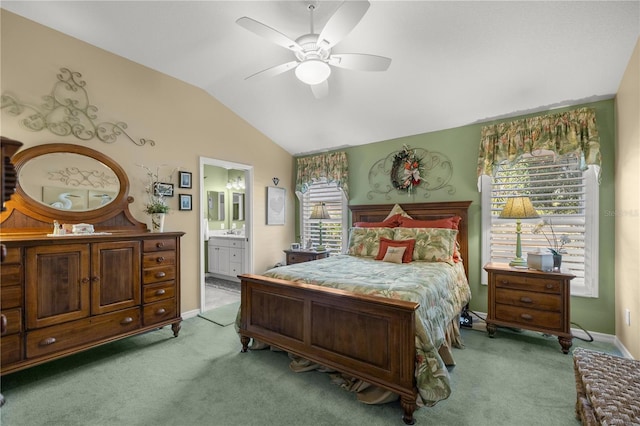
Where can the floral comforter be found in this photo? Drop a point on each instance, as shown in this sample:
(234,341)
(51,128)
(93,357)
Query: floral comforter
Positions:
(440,288)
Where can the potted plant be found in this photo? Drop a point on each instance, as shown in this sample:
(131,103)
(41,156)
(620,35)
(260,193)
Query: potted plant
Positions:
(156,205)
(556,242)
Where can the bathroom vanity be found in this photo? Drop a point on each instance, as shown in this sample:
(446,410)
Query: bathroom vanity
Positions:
(61,294)
(226,256)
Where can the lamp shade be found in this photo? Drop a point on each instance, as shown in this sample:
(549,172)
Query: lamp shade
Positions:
(519,208)
(313,71)
(319,212)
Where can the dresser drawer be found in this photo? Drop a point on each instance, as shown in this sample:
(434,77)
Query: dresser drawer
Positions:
(80,332)
(10,349)
(11,297)
(158,244)
(159,311)
(14,255)
(11,274)
(527,299)
(14,321)
(162,273)
(529,317)
(160,291)
(521,282)
(159,258)
(235,243)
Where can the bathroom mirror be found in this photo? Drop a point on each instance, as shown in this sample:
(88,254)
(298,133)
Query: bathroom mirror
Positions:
(71,183)
(215,205)
(238,206)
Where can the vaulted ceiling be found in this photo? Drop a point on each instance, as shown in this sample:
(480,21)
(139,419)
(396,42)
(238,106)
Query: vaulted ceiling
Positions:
(453,63)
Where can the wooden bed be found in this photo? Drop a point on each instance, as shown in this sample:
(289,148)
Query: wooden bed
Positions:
(368,337)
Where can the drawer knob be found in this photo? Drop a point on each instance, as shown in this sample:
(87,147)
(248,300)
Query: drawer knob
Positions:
(160,292)
(161,311)
(526,317)
(96,278)
(48,341)
(127,320)
(160,274)
(550,286)
(160,244)
(3,323)
(525,299)
(504,282)
(160,259)
(85,280)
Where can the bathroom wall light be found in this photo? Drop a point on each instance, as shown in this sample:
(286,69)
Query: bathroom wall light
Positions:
(236,183)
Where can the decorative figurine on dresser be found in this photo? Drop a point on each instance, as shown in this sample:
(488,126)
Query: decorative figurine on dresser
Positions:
(95,276)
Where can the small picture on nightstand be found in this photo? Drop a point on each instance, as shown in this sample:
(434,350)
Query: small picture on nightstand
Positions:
(295,246)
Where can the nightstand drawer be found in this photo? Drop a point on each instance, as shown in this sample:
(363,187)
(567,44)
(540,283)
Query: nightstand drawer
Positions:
(519,282)
(527,299)
(529,317)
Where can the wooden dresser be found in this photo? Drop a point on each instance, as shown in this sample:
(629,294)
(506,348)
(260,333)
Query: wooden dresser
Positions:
(61,294)
(529,299)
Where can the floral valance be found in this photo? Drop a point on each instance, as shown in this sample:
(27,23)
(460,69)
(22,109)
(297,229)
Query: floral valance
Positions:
(567,133)
(332,166)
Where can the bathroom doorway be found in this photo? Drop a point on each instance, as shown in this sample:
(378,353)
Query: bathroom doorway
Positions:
(226,215)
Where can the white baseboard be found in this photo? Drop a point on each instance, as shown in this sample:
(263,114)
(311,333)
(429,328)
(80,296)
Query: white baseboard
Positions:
(479,324)
(190,314)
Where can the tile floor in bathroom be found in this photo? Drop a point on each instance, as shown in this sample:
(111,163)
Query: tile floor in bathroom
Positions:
(219,292)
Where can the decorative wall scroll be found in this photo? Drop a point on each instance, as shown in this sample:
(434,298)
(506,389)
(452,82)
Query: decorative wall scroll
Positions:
(388,174)
(67,111)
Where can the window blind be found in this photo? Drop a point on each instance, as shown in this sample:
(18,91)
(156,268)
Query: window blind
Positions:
(332,229)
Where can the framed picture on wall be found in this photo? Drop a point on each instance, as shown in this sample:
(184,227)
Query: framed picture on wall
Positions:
(275,205)
(185,180)
(162,189)
(185,201)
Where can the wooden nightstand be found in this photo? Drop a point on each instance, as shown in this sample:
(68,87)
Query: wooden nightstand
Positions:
(299,256)
(529,299)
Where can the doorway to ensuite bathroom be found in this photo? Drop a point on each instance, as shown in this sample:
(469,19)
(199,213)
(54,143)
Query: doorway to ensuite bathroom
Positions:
(226,231)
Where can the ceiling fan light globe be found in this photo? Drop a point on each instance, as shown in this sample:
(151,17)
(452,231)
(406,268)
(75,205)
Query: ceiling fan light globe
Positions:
(313,71)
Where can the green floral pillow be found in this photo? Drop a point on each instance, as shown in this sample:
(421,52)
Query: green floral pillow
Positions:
(432,244)
(365,242)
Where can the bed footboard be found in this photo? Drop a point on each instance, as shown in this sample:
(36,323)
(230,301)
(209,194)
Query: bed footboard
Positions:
(368,337)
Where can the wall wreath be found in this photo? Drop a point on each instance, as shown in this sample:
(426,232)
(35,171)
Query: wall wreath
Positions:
(406,169)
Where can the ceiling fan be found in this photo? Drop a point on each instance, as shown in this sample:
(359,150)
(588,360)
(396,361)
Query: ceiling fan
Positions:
(313,51)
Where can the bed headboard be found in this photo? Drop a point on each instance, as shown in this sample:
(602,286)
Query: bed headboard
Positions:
(422,211)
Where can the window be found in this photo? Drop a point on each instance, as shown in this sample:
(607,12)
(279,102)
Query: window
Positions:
(562,194)
(334,229)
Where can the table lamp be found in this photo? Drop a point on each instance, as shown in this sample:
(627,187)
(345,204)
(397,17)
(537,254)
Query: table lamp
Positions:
(518,208)
(320,212)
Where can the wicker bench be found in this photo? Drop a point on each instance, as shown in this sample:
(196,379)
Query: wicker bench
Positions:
(608,388)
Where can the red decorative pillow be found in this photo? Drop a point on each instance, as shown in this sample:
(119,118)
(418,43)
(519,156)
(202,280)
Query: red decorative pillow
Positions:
(447,222)
(392,222)
(386,243)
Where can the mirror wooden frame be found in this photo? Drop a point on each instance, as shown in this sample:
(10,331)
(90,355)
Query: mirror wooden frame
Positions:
(25,215)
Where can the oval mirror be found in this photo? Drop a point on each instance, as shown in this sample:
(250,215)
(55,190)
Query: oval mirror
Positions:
(70,182)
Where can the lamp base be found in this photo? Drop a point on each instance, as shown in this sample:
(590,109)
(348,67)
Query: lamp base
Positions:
(320,248)
(518,262)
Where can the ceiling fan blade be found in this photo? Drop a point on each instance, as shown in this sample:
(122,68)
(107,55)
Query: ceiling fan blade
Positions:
(269,33)
(273,71)
(360,61)
(320,90)
(342,22)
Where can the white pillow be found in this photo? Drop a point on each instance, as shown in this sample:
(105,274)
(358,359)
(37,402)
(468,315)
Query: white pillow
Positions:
(394,254)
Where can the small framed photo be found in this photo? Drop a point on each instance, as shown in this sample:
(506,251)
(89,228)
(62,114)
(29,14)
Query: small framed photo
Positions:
(295,246)
(162,189)
(185,201)
(185,179)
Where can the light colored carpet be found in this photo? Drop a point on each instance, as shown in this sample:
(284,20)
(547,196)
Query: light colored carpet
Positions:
(223,315)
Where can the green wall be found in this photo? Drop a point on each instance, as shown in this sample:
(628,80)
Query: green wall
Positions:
(460,145)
